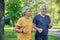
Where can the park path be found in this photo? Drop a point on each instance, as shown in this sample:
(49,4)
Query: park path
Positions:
(54,32)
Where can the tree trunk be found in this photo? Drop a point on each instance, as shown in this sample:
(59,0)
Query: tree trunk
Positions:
(1,19)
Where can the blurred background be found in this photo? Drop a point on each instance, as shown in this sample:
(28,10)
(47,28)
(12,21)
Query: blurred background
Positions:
(13,12)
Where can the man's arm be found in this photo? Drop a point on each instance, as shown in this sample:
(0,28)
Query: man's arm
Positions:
(38,29)
(35,21)
(50,25)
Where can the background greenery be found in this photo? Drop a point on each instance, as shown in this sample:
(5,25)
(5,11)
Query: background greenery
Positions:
(13,13)
(14,7)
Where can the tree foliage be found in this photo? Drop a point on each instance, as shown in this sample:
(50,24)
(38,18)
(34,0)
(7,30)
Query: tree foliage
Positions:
(14,7)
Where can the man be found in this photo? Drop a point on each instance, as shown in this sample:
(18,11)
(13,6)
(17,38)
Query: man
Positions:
(43,23)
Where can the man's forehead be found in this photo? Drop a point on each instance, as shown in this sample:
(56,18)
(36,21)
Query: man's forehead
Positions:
(43,6)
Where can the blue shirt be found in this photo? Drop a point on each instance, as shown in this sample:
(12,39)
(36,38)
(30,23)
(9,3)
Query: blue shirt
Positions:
(42,22)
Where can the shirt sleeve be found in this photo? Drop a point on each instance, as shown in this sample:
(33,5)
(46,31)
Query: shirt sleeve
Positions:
(49,20)
(19,22)
(35,20)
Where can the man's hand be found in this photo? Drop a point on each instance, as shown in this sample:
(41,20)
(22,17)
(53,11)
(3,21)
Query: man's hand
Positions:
(50,25)
(40,30)
(25,31)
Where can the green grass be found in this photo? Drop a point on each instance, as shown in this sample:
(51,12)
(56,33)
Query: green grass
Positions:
(53,38)
(10,36)
(55,26)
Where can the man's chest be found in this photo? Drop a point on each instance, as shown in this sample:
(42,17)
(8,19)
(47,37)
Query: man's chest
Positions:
(44,21)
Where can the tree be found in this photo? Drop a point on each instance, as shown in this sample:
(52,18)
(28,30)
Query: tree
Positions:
(1,19)
(13,8)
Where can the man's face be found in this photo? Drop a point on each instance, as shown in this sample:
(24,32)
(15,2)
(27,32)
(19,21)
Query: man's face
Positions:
(43,10)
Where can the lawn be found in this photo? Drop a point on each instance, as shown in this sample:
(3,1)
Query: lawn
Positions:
(10,36)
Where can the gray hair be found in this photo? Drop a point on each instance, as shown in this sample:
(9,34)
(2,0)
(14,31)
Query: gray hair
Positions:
(25,9)
(42,6)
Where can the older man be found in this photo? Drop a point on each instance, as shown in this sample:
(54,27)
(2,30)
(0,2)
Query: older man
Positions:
(43,23)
